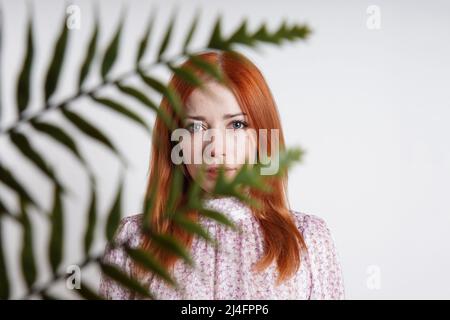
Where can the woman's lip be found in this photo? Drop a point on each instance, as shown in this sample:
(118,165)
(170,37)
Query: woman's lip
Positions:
(215,172)
(217,169)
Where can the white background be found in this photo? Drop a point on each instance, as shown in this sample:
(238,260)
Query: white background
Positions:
(370,107)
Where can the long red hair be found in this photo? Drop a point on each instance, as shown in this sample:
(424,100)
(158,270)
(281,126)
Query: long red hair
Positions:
(283,241)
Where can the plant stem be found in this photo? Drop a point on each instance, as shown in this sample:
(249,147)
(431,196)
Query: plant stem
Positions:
(81,93)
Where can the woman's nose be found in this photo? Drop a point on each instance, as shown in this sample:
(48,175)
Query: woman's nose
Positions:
(216,145)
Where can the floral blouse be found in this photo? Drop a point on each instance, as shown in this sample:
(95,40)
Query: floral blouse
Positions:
(225,272)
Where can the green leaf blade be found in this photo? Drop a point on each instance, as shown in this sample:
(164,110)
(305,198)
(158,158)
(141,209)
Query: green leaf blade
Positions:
(91,223)
(60,136)
(207,67)
(143,44)
(171,95)
(122,110)
(118,275)
(111,52)
(91,131)
(22,143)
(192,227)
(150,263)
(54,69)
(173,245)
(56,243)
(186,75)
(191,32)
(86,65)
(114,215)
(11,181)
(87,293)
(216,40)
(167,37)
(142,98)
(4,280)
(23,84)
(28,264)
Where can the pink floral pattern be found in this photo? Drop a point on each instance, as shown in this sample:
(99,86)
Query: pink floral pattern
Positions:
(226,272)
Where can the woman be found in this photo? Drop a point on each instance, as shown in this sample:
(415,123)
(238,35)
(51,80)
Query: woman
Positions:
(281,253)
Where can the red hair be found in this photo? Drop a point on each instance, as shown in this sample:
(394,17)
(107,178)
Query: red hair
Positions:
(283,241)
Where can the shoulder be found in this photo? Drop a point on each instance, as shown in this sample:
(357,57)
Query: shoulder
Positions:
(310,223)
(129,230)
(316,234)
(324,259)
(127,234)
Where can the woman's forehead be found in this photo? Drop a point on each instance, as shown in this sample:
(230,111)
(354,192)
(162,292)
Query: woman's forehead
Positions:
(214,97)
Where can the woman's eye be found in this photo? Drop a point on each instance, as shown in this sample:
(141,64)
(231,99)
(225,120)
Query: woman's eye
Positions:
(195,127)
(238,124)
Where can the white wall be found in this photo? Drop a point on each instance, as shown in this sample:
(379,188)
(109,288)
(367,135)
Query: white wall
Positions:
(371,108)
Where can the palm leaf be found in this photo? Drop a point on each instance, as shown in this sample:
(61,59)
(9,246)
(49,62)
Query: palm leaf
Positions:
(56,63)
(217,216)
(169,93)
(115,214)
(173,245)
(187,75)
(90,223)
(118,275)
(56,242)
(87,292)
(193,228)
(92,47)
(216,40)
(207,67)
(150,263)
(3,208)
(149,202)
(240,36)
(91,131)
(60,136)
(21,142)
(45,295)
(4,281)
(175,191)
(28,263)
(4,211)
(23,84)
(141,97)
(195,203)
(167,37)
(143,44)
(262,34)
(248,176)
(111,52)
(9,180)
(191,32)
(121,109)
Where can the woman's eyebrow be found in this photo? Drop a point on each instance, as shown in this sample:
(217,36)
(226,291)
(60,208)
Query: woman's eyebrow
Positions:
(195,117)
(233,115)
(226,116)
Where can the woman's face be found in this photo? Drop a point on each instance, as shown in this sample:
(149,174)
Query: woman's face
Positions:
(219,134)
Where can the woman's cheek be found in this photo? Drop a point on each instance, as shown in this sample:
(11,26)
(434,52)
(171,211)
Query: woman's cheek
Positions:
(245,147)
(192,150)
(251,155)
